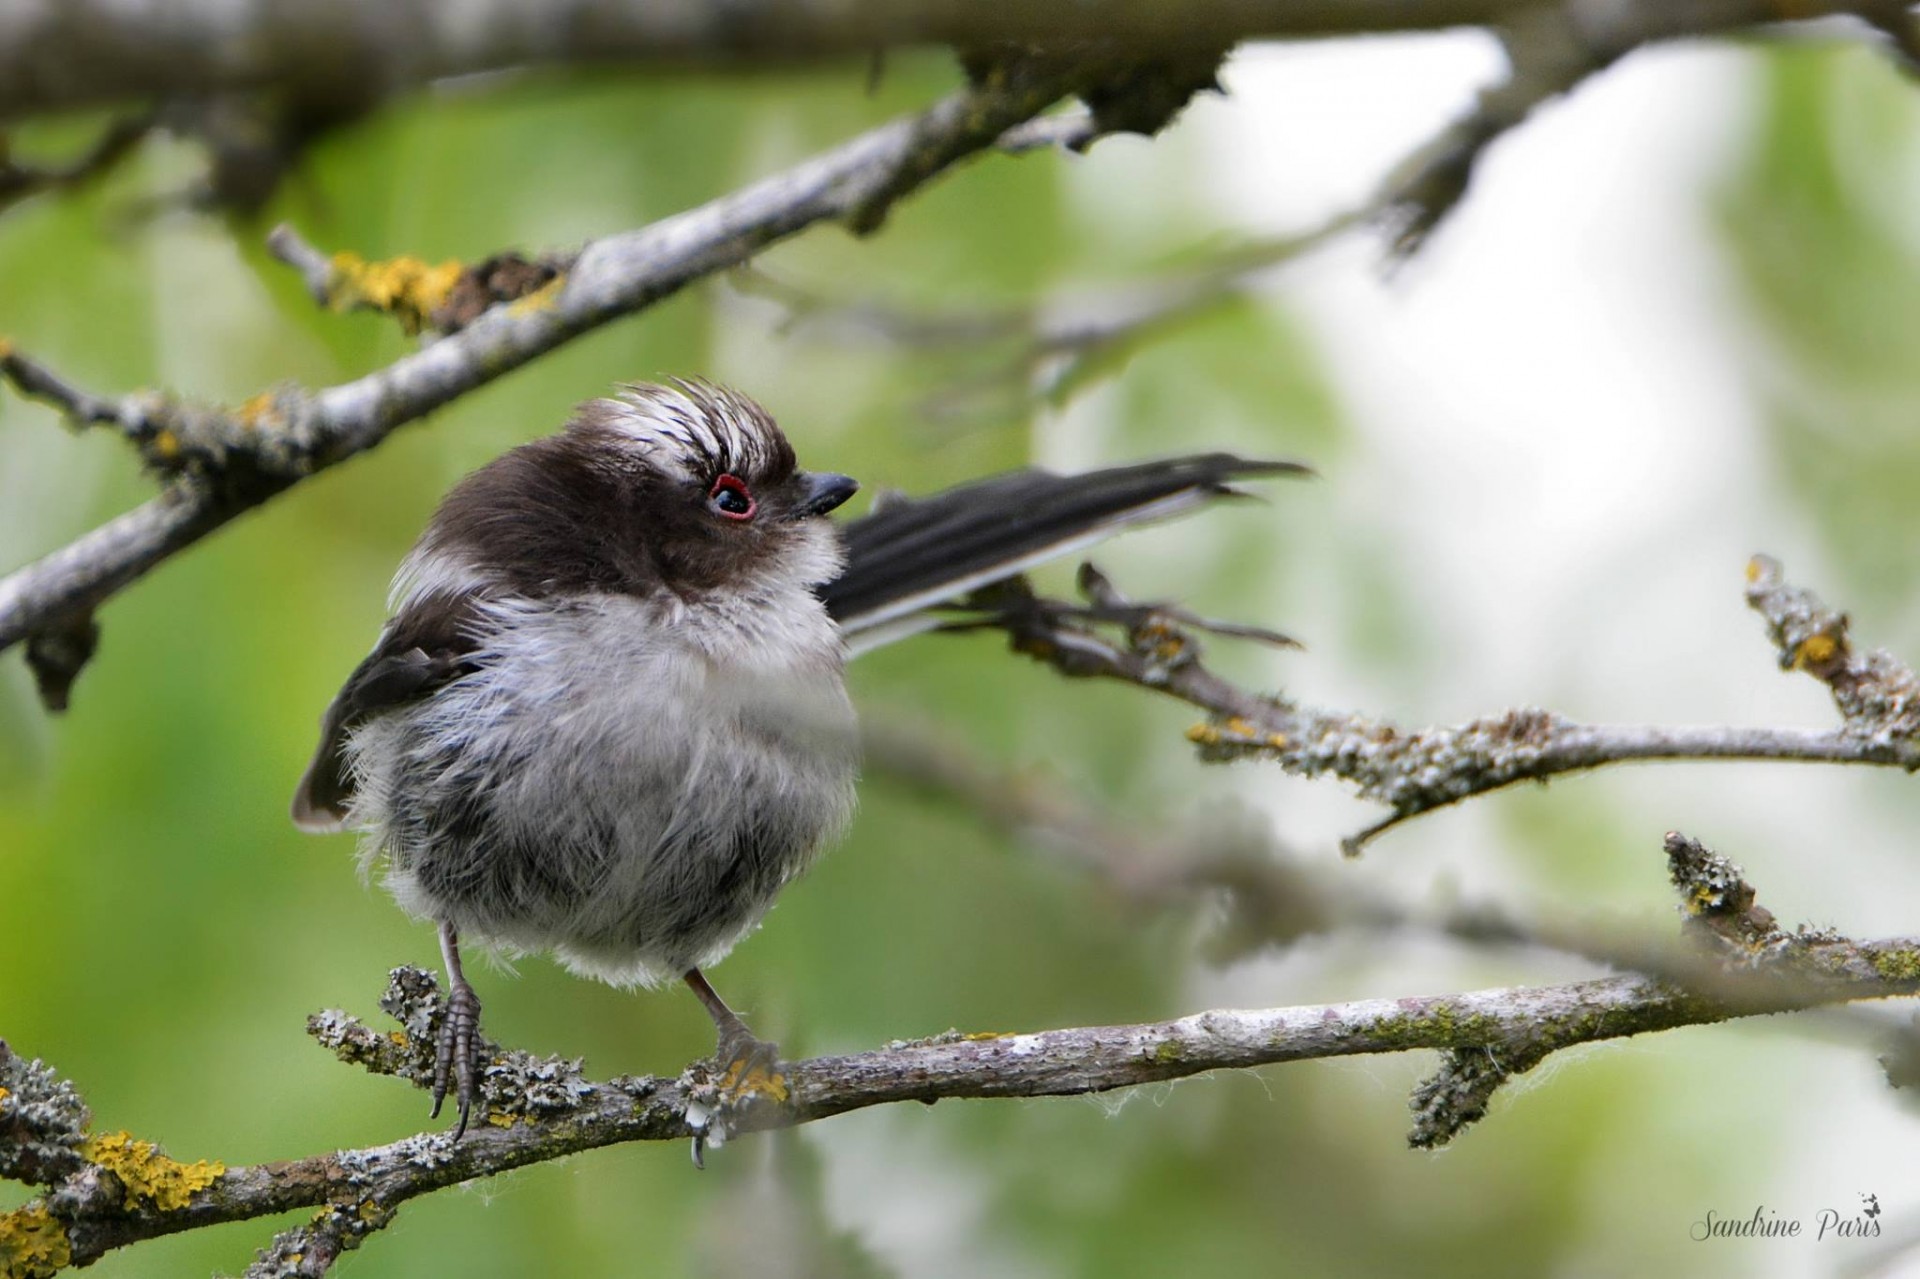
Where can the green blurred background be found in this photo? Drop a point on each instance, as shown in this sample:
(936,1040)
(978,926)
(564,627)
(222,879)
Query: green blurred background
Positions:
(164,931)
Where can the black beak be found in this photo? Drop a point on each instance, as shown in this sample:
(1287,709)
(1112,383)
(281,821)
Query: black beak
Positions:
(821,491)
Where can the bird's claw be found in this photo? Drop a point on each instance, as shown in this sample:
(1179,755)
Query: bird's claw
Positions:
(748,1076)
(456,1053)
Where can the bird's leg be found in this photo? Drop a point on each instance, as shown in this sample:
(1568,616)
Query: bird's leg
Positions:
(456,1048)
(748,1073)
(739,1050)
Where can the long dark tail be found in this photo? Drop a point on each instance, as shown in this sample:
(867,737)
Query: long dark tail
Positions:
(911,554)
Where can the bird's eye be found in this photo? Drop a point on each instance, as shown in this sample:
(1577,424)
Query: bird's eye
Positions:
(730,498)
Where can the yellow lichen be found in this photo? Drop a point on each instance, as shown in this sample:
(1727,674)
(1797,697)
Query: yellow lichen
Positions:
(32,1244)
(500,1119)
(164,445)
(1815,650)
(256,409)
(746,1079)
(1237,731)
(149,1177)
(541,299)
(407,288)
(1755,567)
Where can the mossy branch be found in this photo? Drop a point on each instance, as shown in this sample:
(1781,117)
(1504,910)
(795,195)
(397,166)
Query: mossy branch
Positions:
(106,1192)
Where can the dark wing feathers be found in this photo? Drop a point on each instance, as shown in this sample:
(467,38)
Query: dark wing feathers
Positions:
(911,553)
(426,646)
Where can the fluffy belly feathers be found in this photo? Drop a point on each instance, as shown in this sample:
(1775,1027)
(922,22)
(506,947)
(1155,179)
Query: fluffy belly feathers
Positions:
(632,804)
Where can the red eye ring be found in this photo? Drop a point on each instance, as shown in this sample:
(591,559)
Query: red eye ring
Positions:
(731,499)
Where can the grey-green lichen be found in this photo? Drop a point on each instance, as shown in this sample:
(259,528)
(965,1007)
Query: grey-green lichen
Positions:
(1454,1096)
(1409,770)
(1902,965)
(43,1119)
(1437,1024)
(311,1249)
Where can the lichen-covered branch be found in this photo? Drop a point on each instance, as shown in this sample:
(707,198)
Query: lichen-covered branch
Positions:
(105,1192)
(1416,770)
(1876,693)
(219,462)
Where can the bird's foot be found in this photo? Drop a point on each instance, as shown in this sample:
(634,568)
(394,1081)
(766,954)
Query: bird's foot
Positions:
(457,1053)
(745,1075)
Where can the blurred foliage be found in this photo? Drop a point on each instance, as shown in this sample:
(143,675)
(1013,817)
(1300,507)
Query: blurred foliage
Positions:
(1820,220)
(163,931)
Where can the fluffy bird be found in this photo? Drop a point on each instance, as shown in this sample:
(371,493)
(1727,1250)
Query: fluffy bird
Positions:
(607,718)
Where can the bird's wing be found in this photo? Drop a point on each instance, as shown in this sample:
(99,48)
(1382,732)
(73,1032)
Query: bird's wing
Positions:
(911,554)
(427,645)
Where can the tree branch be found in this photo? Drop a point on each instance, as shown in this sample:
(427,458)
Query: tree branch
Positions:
(1272,898)
(1416,770)
(220,462)
(1549,52)
(91,51)
(106,1192)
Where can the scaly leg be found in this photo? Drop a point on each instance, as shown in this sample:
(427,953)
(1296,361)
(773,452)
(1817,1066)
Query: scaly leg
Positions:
(738,1049)
(456,1049)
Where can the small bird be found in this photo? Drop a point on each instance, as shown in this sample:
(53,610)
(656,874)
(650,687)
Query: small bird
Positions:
(607,718)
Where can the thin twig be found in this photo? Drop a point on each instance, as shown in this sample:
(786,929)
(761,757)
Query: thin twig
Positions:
(1549,52)
(315,267)
(34,379)
(1052,348)
(18,181)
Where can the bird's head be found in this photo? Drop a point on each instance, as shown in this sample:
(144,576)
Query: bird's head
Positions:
(688,487)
